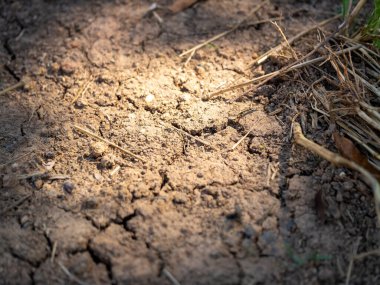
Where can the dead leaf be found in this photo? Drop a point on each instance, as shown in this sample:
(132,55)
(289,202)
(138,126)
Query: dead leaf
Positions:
(180,5)
(348,150)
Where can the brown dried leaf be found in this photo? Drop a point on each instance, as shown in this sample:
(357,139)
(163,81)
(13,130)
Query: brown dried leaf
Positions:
(180,5)
(348,150)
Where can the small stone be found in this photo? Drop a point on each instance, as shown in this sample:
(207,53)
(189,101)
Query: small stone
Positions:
(348,185)
(185,97)
(38,184)
(25,221)
(200,71)
(80,104)
(270,223)
(100,222)
(107,162)
(49,155)
(97,149)
(68,187)
(14,167)
(179,198)
(149,98)
(54,67)
(98,176)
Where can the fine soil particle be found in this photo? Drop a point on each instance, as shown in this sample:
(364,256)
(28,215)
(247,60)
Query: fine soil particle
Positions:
(229,211)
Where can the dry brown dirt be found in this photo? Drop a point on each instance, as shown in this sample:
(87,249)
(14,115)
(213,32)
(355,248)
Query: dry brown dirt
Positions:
(202,215)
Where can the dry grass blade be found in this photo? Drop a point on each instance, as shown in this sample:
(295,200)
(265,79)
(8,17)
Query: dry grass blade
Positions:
(290,41)
(359,6)
(15,204)
(190,136)
(86,132)
(235,27)
(82,90)
(338,161)
(366,254)
(13,87)
(170,277)
(349,130)
(70,275)
(269,76)
(242,138)
(285,39)
(368,85)
(351,264)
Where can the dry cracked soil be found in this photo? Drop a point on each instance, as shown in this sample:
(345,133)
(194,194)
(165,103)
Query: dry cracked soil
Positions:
(77,211)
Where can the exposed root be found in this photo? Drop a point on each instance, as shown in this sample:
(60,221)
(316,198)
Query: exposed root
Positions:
(338,160)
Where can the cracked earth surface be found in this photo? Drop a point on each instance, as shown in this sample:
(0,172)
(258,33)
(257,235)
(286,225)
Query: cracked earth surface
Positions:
(206,215)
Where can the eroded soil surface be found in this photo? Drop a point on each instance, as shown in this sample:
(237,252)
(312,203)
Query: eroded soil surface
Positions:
(203,214)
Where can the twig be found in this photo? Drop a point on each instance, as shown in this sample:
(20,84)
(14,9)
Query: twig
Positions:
(368,253)
(265,56)
(189,135)
(70,275)
(84,131)
(225,32)
(170,277)
(339,161)
(13,87)
(15,204)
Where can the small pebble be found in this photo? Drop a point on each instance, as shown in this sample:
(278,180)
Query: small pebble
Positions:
(179,198)
(98,176)
(49,155)
(97,149)
(38,184)
(149,98)
(68,187)
(107,162)
(24,221)
(68,67)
